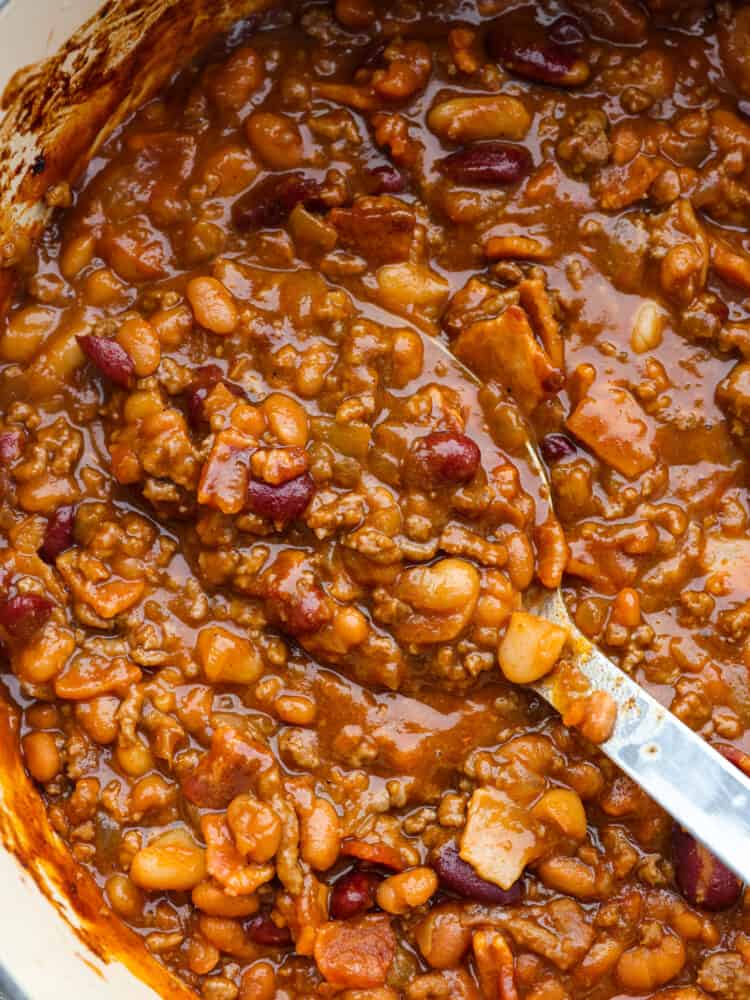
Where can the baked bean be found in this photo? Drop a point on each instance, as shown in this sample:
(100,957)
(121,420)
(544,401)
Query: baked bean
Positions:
(646,967)
(355,13)
(25,332)
(77,255)
(595,716)
(125,898)
(256,828)
(276,139)
(213,306)
(648,324)
(297,710)
(320,835)
(227,658)
(43,716)
(171,861)
(134,758)
(41,756)
(102,287)
(407,890)
(211,899)
(238,78)
(44,657)
(150,793)
(98,718)
(171,326)
(442,597)
(466,119)
(258,982)
(137,337)
(442,937)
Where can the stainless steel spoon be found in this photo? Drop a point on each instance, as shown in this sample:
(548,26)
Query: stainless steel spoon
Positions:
(690,780)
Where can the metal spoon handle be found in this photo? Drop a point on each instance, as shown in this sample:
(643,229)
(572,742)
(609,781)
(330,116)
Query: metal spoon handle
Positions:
(678,769)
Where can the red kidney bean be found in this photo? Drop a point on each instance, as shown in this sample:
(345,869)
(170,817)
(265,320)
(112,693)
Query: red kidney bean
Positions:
(538,60)
(111,359)
(58,535)
(487,163)
(441,458)
(459,876)
(566,30)
(281,503)
(11,445)
(557,447)
(385,179)
(735,756)
(353,893)
(262,930)
(205,379)
(703,880)
(21,616)
(269,202)
(616,20)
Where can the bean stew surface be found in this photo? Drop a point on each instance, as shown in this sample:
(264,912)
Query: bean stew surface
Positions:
(264,542)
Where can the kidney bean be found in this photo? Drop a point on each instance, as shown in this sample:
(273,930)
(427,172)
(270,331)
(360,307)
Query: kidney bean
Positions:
(270,202)
(566,30)
(616,20)
(11,445)
(556,448)
(459,876)
(109,357)
(532,59)
(385,179)
(490,163)
(353,894)
(205,379)
(735,756)
(58,535)
(281,503)
(23,615)
(703,880)
(262,930)
(442,458)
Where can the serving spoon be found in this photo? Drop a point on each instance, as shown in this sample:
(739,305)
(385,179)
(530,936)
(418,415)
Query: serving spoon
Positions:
(706,794)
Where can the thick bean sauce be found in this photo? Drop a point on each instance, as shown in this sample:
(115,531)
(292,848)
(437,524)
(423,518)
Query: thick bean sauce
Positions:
(264,542)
